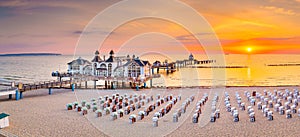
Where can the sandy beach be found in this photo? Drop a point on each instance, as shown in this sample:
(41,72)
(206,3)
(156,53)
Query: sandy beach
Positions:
(40,114)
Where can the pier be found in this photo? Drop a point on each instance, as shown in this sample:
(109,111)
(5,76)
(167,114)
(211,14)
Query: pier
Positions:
(18,89)
(174,66)
(80,81)
(132,73)
(75,82)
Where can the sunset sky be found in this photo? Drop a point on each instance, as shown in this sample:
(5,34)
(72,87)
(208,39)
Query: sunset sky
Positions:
(265,26)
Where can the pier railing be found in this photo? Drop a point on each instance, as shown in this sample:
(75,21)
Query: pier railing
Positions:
(45,84)
(173,66)
(7,134)
(78,79)
(73,82)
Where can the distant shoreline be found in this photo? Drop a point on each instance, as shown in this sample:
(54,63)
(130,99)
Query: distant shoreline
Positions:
(30,54)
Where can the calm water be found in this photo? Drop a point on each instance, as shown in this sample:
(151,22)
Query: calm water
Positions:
(258,73)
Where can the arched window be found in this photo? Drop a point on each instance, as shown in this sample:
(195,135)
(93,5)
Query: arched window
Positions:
(138,71)
(119,63)
(95,70)
(109,69)
(103,70)
(129,71)
(119,72)
(133,70)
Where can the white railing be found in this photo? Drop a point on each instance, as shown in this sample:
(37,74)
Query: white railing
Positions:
(7,134)
(9,90)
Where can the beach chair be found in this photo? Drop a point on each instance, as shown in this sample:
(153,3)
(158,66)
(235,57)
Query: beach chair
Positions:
(155,121)
(288,114)
(175,117)
(270,116)
(213,117)
(195,118)
(236,117)
(252,117)
(132,119)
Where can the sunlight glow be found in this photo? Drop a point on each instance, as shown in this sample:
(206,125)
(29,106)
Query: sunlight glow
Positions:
(249,49)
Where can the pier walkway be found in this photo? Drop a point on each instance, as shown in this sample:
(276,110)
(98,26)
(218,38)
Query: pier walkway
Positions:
(75,82)
(173,66)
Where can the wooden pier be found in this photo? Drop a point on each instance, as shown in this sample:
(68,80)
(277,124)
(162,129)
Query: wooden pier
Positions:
(18,89)
(113,82)
(45,84)
(75,82)
(173,66)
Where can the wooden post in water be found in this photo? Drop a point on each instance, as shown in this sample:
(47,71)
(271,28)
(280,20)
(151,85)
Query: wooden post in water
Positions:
(17,95)
(73,87)
(47,86)
(21,95)
(105,85)
(167,68)
(112,85)
(50,91)
(137,87)
(123,84)
(71,82)
(151,83)
(86,84)
(109,85)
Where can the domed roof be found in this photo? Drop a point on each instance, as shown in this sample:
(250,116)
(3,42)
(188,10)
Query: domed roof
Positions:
(97,52)
(97,58)
(191,57)
(111,52)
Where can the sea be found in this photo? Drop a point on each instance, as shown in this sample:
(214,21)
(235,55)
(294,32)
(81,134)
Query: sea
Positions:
(239,70)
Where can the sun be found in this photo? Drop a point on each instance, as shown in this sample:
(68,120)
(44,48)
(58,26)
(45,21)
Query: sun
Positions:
(249,49)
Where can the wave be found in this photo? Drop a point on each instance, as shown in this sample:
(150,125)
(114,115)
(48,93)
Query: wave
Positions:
(287,64)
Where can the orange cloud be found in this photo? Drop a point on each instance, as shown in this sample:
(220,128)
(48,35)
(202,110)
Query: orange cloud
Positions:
(279,10)
(131,29)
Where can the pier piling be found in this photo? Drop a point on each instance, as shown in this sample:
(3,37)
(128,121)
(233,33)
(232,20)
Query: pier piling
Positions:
(73,87)
(50,91)
(112,85)
(21,95)
(17,95)
(105,85)
(123,84)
